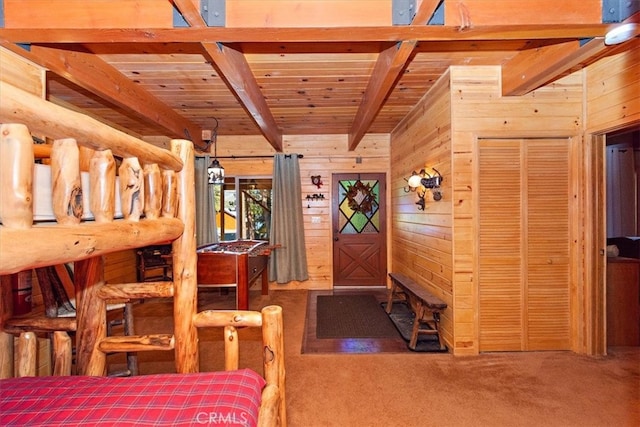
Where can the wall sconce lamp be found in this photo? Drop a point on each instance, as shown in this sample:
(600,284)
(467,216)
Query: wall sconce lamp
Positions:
(426,181)
(215,170)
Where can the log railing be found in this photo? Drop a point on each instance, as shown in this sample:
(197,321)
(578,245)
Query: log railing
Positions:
(158,205)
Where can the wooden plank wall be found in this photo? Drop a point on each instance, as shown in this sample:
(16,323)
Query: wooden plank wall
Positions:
(613,92)
(120,267)
(480,111)
(421,241)
(21,73)
(477,109)
(323,155)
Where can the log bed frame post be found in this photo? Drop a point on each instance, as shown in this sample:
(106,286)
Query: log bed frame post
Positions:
(274,369)
(91,317)
(185,264)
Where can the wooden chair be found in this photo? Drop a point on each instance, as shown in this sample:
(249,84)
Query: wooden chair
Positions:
(154,263)
(56,283)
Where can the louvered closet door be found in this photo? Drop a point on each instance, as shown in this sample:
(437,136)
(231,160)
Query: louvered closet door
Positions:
(524,245)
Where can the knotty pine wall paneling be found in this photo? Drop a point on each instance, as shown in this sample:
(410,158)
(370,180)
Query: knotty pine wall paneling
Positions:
(438,247)
(21,73)
(612,96)
(121,267)
(322,155)
(421,241)
(479,111)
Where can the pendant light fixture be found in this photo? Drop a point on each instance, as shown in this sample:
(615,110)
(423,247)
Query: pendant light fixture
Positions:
(215,170)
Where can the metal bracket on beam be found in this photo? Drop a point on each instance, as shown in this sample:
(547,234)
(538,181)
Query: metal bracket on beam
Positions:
(403,11)
(618,10)
(213,12)
(1,13)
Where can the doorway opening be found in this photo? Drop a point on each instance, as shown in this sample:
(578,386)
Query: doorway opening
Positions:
(622,181)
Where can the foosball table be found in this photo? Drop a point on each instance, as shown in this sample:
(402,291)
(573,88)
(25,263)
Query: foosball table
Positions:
(234,263)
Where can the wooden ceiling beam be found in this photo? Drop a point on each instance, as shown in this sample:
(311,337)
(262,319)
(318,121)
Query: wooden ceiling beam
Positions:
(189,11)
(491,12)
(425,12)
(534,68)
(560,32)
(234,70)
(93,74)
(385,73)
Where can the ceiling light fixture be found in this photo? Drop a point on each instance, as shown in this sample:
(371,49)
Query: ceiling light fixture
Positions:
(621,33)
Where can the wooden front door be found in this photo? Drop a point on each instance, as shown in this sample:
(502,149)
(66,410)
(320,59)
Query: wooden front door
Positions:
(359,229)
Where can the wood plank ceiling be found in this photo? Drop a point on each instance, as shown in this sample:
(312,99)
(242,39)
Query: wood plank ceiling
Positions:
(283,67)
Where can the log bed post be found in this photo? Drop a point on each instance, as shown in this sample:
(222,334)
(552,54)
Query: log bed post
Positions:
(16,211)
(273,357)
(27,354)
(169,196)
(131,188)
(185,264)
(102,179)
(16,176)
(152,191)
(67,187)
(6,339)
(90,317)
(62,353)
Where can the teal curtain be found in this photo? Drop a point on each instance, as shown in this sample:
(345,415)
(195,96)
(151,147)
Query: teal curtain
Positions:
(206,231)
(288,261)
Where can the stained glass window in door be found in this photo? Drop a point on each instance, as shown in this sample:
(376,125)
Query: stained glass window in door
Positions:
(359,206)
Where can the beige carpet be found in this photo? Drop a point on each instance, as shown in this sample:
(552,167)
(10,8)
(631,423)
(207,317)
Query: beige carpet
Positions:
(421,389)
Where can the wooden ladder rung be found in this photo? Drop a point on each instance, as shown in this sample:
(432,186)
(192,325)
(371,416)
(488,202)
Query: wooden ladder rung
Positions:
(133,343)
(17,325)
(124,291)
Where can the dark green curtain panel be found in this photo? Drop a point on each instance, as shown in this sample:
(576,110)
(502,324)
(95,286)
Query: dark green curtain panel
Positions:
(205,204)
(289,261)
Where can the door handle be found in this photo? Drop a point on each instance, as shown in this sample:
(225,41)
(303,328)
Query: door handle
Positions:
(336,239)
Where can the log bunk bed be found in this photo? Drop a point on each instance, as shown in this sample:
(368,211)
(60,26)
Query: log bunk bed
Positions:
(158,207)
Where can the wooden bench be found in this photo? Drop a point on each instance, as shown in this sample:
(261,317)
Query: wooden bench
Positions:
(421,302)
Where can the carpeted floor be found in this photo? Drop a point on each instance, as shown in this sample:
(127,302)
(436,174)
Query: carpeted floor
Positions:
(553,388)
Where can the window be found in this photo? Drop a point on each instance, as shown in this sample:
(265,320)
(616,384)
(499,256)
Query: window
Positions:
(244,208)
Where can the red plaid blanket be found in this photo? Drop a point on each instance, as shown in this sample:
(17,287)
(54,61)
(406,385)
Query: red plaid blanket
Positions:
(208,398)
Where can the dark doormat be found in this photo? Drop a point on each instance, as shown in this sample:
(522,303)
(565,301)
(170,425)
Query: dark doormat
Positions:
(352,316)
(402,317)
